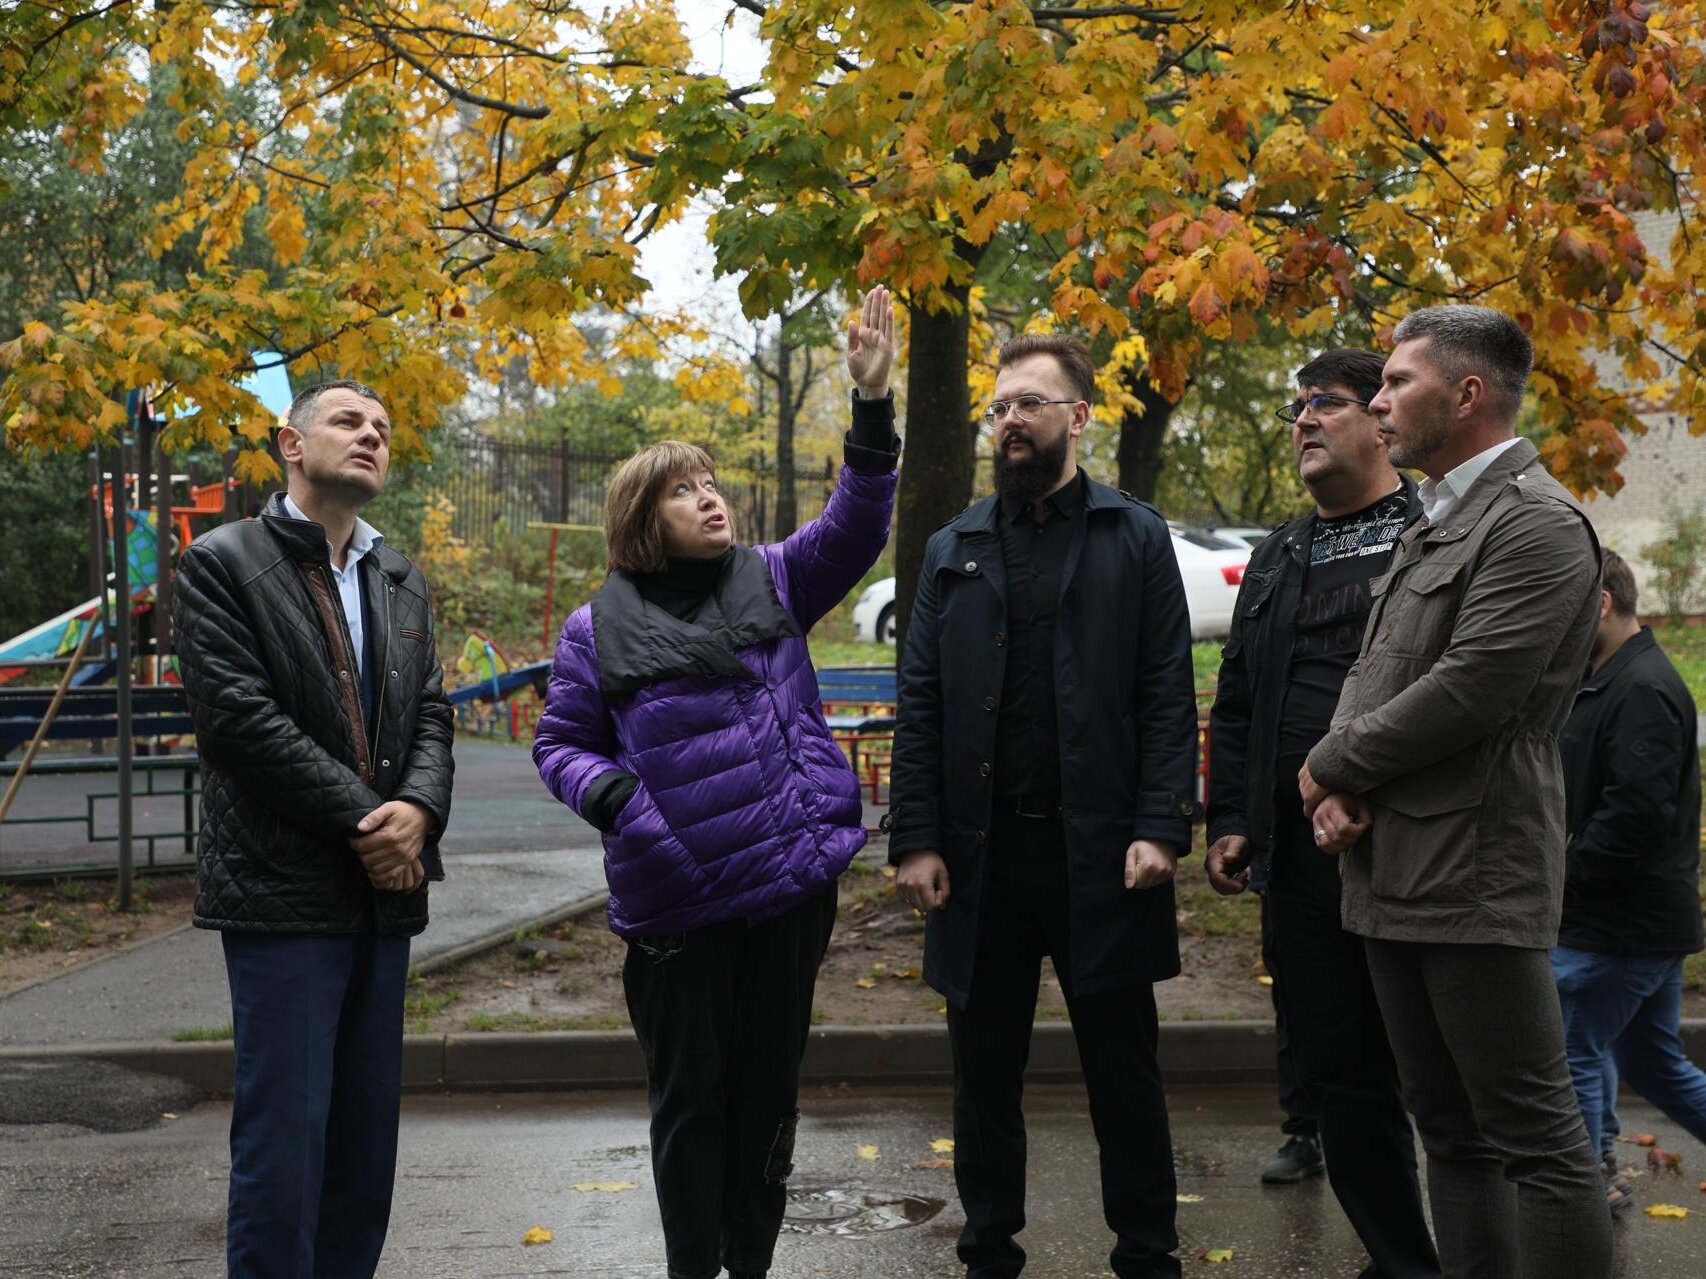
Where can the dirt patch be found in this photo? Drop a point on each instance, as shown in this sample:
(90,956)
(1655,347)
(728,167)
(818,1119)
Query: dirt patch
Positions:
(571,977)
(49,926)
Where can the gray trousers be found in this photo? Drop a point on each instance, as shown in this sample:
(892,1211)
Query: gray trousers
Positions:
(1516,1188)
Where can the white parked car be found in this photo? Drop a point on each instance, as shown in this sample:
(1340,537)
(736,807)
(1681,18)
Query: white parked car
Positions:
(1211,567)
(1250,537)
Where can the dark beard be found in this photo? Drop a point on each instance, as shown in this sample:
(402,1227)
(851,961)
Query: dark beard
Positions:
(1025,479)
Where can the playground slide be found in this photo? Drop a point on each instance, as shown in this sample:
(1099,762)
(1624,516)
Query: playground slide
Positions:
(59,636)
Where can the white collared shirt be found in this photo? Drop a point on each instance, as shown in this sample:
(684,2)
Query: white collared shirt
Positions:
(363,540)
(1438,499)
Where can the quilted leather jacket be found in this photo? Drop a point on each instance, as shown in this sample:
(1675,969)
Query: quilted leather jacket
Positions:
(290,762)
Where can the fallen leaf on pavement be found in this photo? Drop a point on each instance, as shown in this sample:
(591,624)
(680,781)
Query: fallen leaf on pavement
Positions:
(1667,1210)
(1703,1185)
(867,1152)
(1642,1139)
(943,1145)
(1264,980)
(1215,1254)
(934,1163)
(865,983)
(537,1235)
(1190,1199)
(172,1114)
(603,1187)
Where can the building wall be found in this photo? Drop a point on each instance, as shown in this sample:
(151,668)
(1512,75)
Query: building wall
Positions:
(1664,470)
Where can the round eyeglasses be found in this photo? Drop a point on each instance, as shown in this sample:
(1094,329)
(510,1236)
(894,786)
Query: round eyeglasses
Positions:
(1025,408)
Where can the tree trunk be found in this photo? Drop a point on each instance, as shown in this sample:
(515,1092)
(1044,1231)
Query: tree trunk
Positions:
(936,481)
(1143,432)
(787,508)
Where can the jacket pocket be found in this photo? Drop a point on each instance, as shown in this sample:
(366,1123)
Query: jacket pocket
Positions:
(407,633)
(1421,607)
(1425,842)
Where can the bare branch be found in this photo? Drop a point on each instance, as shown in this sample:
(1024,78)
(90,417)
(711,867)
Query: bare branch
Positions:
(463,95)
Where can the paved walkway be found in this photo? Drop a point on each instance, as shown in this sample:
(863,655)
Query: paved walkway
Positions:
(477,1172)
(513,854)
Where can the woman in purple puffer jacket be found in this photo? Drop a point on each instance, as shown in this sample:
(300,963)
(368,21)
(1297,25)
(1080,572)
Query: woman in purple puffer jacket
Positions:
(683,720)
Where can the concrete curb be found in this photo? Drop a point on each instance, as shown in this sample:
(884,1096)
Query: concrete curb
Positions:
(1205,1052)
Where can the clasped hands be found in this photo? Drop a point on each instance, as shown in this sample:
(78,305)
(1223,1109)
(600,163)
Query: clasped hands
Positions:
(922,879)
(1338,819)
(389,844)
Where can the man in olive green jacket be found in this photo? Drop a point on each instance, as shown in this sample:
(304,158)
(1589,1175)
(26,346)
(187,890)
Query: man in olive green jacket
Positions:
(1441,778)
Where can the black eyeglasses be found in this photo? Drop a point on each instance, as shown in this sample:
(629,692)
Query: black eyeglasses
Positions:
(1315,404)
(1025,408)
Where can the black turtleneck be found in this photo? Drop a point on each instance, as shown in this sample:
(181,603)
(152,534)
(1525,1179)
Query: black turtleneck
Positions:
(684,583)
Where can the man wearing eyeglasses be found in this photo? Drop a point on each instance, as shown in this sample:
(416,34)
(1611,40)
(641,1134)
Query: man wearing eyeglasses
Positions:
(1042,792)
(1295,632)
(1446,741)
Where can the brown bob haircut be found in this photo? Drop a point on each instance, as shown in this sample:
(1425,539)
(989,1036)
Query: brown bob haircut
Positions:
(633,535)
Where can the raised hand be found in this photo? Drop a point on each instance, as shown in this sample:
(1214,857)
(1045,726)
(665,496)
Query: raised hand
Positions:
(870,345)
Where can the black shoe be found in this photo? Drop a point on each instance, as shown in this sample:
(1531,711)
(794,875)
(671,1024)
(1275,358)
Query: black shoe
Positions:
(1299,1158)
(1619,1189)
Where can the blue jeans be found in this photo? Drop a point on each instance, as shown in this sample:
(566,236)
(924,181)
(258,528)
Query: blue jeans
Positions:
(318,1024)
(1622,1016)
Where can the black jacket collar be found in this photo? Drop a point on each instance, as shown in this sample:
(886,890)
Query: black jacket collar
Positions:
(640,644)
(305,541)
(984,516)
(1640,642)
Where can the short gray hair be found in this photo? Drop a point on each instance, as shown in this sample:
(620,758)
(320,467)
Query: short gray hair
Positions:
(1468,340)
(302,407)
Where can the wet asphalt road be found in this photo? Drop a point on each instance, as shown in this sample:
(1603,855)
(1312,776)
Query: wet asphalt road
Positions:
(478,1171)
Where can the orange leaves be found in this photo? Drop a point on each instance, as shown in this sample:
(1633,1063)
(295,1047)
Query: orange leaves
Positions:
(1208,308)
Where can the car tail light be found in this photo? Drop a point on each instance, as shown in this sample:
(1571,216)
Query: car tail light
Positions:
(1233,573)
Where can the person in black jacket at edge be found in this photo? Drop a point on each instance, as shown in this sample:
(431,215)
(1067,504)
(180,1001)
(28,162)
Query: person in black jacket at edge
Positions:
(1045,750)
(1632,878)
(306,647)
(1296,629)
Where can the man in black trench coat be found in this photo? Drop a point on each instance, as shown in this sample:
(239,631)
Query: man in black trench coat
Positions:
(1042,793)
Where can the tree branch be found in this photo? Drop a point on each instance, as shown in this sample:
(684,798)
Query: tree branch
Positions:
(467,96)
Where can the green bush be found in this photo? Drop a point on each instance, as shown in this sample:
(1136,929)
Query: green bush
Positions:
(1675,559)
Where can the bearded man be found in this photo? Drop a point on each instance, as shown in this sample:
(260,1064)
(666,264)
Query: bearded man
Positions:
(1042,793)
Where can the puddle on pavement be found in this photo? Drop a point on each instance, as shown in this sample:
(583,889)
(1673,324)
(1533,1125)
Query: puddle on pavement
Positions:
(832,1210)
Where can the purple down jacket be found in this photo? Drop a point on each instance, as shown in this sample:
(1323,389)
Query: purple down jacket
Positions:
(745,805)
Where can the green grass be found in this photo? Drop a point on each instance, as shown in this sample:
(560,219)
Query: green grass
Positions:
(1686,646)
(201,1034)
(1205,657)
(486,1022)
(1205,913)
(827,652)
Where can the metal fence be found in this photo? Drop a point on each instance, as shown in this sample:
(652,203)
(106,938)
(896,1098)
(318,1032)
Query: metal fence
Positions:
(500,487)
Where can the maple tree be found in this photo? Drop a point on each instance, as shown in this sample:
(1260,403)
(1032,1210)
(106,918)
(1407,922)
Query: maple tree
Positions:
(1203,166)
(430,181)
(431,176)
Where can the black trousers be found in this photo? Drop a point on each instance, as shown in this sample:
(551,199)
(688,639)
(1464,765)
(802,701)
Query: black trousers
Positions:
(1294,1099)
(1516,1186)
(1341,1057)
(1024,917)
(722,1014)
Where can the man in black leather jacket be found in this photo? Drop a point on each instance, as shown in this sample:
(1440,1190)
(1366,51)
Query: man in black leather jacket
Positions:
(1295,632)
(306,648)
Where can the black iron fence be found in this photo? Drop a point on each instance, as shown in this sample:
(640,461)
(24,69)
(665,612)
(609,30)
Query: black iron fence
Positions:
(499,486)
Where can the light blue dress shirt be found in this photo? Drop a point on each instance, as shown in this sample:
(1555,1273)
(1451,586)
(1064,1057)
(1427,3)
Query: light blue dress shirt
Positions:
(363,540)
